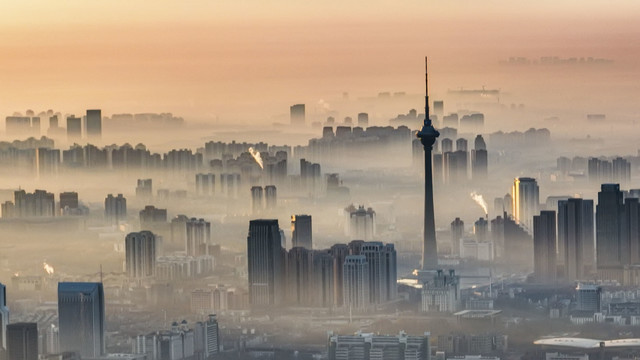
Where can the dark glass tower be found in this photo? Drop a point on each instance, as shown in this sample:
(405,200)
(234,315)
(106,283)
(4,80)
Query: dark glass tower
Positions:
(81,318)
(427,136)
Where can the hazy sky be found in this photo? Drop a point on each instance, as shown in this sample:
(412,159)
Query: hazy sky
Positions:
(208,58)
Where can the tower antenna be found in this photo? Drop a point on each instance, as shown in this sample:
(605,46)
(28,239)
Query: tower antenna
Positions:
(100,273)
(427,120)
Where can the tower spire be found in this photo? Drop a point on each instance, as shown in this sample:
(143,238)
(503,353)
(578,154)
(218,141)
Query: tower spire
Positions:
(427,119)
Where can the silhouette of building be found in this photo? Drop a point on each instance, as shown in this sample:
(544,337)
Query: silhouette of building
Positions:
(115,208)
(361,223)
(81,318)
(356,291)
(381,260)
(68,202)
(479,160)
(611,250)
(198,237)
(544,247)
(26,205)
(144,189)
(297,114)
(94,124)
(363,120)
(205,184)
(4,317)
(266,264)
(207,335)
(151,217)
(588,297)
(257,202)
(74,128)
(22,341)
(457,232)
(301,231)
(575,238)
(322,279)
(339,252)
(299,272)
(140,254)
(271,197)
(526,200)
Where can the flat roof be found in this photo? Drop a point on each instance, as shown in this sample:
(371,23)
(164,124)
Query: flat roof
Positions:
(582,343)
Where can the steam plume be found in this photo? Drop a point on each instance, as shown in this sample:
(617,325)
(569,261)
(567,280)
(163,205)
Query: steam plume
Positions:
(257,157)
(480,201)
(48,268)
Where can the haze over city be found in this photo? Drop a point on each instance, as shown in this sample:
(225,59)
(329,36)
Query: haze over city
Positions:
(340,180)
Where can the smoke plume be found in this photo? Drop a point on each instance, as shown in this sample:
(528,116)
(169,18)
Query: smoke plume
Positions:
(257,157)
(480,201)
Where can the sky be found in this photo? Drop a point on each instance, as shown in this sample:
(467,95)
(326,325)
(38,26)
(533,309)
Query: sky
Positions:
(226,59)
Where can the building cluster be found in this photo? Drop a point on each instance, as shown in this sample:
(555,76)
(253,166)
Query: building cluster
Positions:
(455,166)
(357,276)
(42,204)
(368,346)
(598,170)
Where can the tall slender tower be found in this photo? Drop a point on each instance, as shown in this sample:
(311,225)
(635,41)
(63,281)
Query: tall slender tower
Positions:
(427,136)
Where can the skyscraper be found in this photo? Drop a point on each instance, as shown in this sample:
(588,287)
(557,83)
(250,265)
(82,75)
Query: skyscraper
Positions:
(301,229)
(457,232)
(81,318)
(4,317)
(266,263)
(299,269)
(271,197)
(74,128)
(479,159)
(611,250)
(323,286)
(22,341)
(140,254)
(427,136)
(544,247)
(115,208)
(297,114)
(198,237)
(381,260)
(575,237)
(94,124)
(361,223)
(525,201)
(256,199)
(356,282)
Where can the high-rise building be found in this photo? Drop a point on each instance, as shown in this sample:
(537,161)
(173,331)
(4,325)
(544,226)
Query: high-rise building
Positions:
(361,223)
(144,188)
(74,128)
(140,254)
(322,279)
(481,229)
(575,238)
(257,202)
(363,120)
(115,208)
(427,136)
(198,237)
(266,264)
(526,198)
(457,232)
(339,252)
(94,124)
(297,114)
(381,260)
(301,231)
(299,272)
(205,184)
(68,201)
(271,197)
(4,317)
(81,318)
(210,336)
(479,159)
(356,282)
(442,294)
(22,341)
(611,249)
(151,216)
(544,247)
(37,204)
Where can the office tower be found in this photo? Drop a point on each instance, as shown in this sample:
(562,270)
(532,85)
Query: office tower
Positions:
(544,247)
(205,184)
(68,200)
(479,159)
(442,294)
(256,199)
(611,250)
(339,252)
(140,254)
(74,128)
(361,223)
(363,120)
(299,268)
(4,317)
(322,279)
(266,264)
(271,197)
(297,114)
(115,208)
(588,297)
(427,136)
(22,341)
(525,200)
(81,318)
(301,231)
(144,188)
(94,124)
(381,260)
(356,282)
(457,232)
(198,237)
(575,238)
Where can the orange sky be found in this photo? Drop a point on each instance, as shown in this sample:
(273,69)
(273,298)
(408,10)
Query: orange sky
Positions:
(223,58)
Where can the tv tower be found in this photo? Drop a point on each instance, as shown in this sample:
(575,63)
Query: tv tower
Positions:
(427,136)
